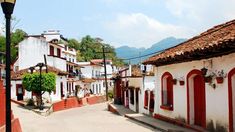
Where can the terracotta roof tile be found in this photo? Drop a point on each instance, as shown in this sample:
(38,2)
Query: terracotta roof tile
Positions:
(19,74)
(218,36)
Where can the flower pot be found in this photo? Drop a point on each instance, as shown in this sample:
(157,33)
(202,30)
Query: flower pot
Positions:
(174,81)
(208,79)
(219,80)
(204,71)
(181,83)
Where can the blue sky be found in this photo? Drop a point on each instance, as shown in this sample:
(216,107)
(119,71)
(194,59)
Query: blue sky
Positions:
(136,23)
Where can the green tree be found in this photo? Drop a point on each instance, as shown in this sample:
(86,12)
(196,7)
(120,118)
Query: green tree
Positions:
(73,43)
(16,37)
(31,82)
(91,48)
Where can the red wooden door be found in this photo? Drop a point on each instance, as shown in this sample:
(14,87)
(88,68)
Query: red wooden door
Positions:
(199,101)
(169,91)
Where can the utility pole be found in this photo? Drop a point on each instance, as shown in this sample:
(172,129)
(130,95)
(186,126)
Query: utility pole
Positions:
(105,72)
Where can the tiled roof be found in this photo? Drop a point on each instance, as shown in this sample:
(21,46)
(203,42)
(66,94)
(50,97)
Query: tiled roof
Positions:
(88,80)
(217,41)
(19,74)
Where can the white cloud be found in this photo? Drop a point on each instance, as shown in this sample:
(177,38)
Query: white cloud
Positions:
(140,30)
(207,12)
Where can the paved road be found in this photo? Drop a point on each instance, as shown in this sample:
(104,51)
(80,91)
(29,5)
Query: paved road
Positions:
(94,118)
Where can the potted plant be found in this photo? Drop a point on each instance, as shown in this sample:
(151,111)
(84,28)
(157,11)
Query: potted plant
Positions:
(208,78)
(220,75)
(181,80)
(204,71)
(174,81)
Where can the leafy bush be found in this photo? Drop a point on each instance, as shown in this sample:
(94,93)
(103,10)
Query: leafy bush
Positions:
(30,102)
(110,94)
(31,82)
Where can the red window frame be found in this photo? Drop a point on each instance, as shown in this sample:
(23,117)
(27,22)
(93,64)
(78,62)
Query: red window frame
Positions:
(17,87)
(58,52)
(167,90)
(51,50)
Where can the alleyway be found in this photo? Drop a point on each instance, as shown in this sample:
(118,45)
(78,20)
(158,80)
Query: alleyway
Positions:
(85,119)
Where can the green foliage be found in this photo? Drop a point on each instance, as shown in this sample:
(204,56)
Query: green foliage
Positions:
(73,43)
(110,94)
(31,82)
(30,102)
(89,48)
(16,37)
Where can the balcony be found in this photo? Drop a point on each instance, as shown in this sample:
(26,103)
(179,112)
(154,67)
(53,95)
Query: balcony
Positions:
(57,62)
(75,74)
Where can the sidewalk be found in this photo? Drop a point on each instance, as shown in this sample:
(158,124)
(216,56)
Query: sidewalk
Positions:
(149,121)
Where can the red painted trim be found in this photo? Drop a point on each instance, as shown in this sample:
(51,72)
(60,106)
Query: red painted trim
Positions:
(230,99)
(171,77)
(146,99)
(17,88)
(193,72)
(51,50)
(165,107)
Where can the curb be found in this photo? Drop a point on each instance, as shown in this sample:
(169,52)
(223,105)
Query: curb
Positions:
(17,102)
(113,109)
(147,124)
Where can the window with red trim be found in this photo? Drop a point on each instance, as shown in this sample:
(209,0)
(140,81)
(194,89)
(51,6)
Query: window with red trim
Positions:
(51,50)
(146,99)
(167,91)
(58,52)
(19,89)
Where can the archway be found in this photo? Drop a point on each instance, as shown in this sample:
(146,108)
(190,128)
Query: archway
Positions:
(167,91)
(231,98)
(196,99)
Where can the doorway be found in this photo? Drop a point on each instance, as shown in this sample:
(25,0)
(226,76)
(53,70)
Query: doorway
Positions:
(19,92)
(137,100)
(196,98)
(199,101)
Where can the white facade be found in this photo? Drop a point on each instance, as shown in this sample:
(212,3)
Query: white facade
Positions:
(92,71)
(31,52)
(53,97)
(217,102)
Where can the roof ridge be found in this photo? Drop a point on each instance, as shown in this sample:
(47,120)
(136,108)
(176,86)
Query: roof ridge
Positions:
(209,31)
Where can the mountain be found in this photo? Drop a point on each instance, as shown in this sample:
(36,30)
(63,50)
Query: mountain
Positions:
(127,52)
(130,52)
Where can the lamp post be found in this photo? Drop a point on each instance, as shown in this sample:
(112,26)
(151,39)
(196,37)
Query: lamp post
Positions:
(40,65)
(8,7)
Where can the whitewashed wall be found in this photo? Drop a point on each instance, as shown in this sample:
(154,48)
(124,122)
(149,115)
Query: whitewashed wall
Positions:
(31,51)
(216,99)
(53,97)
(57,63)
(149,84)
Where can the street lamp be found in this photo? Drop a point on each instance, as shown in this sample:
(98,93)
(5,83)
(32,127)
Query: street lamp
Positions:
(8,7)
(40,65)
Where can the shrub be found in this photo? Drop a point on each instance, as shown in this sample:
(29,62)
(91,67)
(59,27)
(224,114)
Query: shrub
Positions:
(30,102)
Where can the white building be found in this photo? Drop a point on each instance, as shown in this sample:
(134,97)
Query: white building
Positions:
(92,79)
(60,60)
(195,81)
(110,70)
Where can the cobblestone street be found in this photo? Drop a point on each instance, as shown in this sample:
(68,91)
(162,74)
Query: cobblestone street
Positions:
(84,119)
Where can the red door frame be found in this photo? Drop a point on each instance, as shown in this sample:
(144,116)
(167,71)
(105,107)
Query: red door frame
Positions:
(194,72)
(230,98)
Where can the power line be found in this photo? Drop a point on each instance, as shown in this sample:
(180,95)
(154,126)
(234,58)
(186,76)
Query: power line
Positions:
(132,58)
